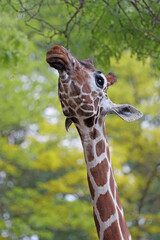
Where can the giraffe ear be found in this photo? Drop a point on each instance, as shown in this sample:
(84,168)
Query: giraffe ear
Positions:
(68,123)
(126,112)
(111,79)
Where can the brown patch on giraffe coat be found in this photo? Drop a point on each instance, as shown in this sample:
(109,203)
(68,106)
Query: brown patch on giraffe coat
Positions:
(101,110)
(86,88)
(72,104)
(89,121)
(91,188)
(66,113)
(78,100)
(99,173)
(94,134)
(100,148)
(112,232)
(87,107)
(108,154)
(105,206)
(123,225)
(100,121)
(75,90)
(94,94)
(64,102)
(87,99)
(75,120)
(66,88)
(97,224)
(89,152)
(79,76)
(71,112)
(63,96)
(83,113)
(118,199)
(112,182)
(96,103)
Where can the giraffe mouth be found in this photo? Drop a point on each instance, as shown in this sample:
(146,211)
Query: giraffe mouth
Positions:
(56,62)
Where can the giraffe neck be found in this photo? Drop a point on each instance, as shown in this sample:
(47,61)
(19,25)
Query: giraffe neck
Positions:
(108,213)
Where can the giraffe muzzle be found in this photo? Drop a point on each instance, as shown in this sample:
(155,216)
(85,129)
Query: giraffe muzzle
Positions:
(57,58)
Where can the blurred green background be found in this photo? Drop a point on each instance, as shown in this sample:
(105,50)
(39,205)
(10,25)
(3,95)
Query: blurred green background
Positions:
(43,188)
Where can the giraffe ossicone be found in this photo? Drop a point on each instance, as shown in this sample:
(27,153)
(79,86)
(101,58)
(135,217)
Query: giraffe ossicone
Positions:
(82,93)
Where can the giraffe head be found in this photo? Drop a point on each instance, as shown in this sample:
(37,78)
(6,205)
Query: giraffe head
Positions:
(82,90)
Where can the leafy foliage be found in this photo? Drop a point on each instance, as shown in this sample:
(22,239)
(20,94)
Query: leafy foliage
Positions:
(43,187)
(106,28)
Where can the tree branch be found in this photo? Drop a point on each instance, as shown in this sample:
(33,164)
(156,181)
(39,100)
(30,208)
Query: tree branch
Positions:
(156,38)
(65,32)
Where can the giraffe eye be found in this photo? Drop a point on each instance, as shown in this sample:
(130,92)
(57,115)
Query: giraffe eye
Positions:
(99,81)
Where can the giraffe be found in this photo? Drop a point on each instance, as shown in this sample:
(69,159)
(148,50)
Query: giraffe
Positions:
(82,93)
